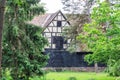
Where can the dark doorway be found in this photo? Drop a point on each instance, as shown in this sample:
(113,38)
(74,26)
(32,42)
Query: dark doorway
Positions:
(58,41)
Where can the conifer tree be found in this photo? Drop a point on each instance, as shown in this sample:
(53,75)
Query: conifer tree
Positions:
(23,43)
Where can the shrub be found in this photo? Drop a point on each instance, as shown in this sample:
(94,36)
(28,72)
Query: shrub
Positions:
(114,67)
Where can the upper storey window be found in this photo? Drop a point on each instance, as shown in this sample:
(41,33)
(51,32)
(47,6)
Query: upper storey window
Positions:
(59,23)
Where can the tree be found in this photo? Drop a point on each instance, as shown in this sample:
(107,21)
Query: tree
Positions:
(78,15)
(23,43)
(102,36)
(77,6)
(2,7)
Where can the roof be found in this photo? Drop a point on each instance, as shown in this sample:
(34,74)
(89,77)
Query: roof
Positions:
(43,20)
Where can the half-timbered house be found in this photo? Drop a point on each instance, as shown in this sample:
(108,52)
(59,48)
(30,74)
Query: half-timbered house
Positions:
(53,25)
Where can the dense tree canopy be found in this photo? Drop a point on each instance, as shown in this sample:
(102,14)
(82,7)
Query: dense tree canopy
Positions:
(102,36)
(97,32)
(23,43)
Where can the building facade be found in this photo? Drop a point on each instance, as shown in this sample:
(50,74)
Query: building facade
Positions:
(53,26)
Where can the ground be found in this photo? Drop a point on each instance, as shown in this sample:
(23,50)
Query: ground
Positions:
(76,76)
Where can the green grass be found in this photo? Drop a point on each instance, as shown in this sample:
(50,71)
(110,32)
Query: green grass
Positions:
(78,76)
(75,76)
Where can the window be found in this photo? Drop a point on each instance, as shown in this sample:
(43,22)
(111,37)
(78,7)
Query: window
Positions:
(59,23)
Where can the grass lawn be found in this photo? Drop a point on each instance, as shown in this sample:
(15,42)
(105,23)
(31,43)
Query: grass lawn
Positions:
(77,76)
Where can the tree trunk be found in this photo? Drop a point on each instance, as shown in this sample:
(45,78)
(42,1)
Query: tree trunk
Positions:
(2,8)
(96,67)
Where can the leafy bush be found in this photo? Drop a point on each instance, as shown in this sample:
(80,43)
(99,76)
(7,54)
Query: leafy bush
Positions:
(114,67)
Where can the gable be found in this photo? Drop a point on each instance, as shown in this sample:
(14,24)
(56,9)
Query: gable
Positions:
(57,19)
(53,25)
(60,16)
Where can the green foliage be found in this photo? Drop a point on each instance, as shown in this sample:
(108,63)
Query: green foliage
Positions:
(6,74)
(77,15)
(114,67)
(23,44)
(39,77)
(102,35)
